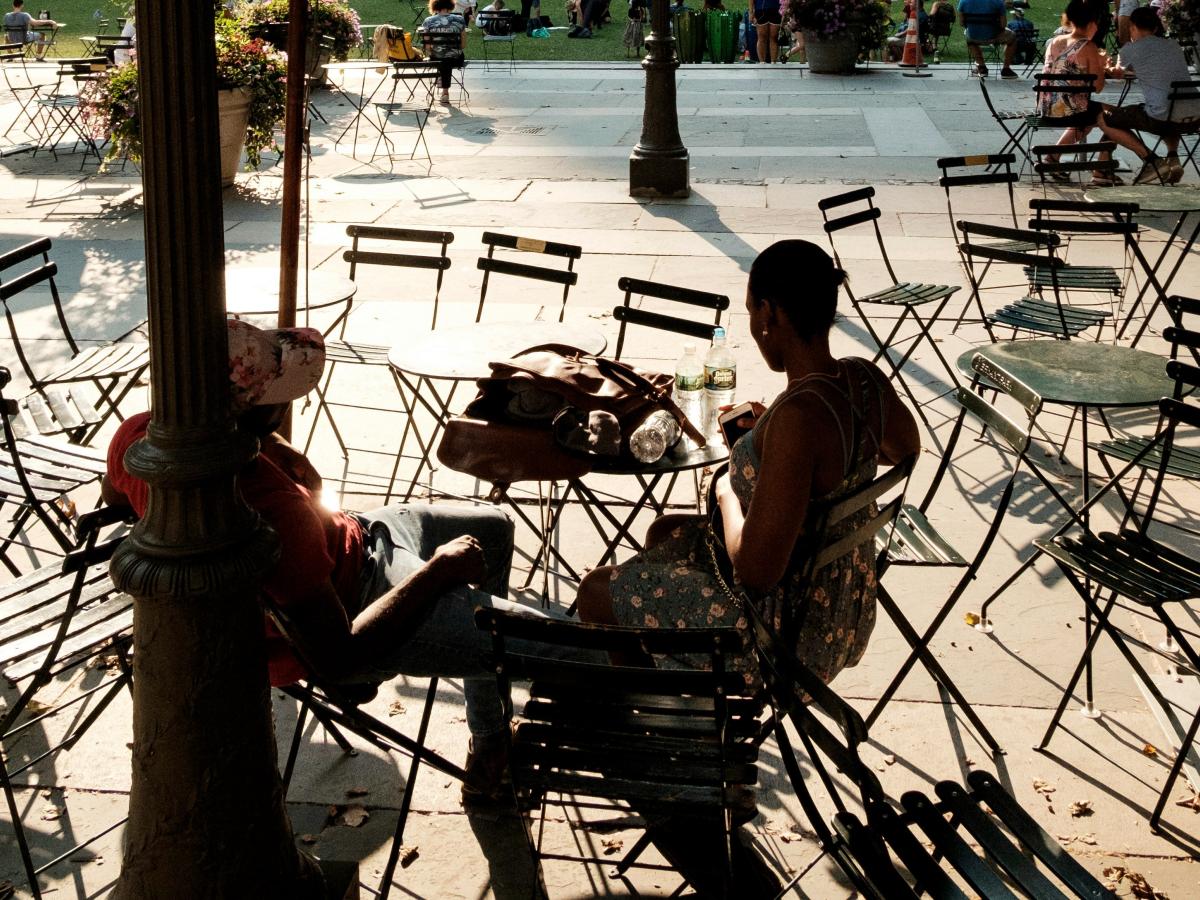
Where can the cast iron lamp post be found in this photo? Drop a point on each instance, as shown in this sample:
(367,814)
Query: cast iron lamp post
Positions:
(658,166)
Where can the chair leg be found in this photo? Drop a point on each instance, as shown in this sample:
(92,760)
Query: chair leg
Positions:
(389,870)
(294,750)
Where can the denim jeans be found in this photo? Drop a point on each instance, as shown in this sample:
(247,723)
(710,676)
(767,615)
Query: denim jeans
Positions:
(445,642)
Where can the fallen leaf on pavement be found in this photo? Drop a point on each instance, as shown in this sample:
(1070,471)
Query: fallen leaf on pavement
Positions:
(396,708)
(353,816)
(611,845)
(1150,750)
(890,759)
(408,856)
(1139,887)
(357,792)
(971,618)
(1192,802)
(50,813)
(1081,808)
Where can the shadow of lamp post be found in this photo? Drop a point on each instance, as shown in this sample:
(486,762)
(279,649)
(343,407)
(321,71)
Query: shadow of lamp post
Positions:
(658,166)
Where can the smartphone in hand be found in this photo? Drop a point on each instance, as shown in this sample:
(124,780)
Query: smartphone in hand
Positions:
(728,422)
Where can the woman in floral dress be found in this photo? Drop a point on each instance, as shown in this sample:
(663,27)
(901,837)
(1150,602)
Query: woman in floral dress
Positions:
(822,437)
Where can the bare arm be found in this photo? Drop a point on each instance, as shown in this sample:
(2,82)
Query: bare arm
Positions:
(335,646)
(901,436)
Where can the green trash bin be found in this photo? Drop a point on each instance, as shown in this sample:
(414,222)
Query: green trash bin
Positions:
(689,35)
(720,34)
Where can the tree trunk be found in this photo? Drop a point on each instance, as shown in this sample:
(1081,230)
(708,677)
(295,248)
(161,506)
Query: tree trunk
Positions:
(206,809)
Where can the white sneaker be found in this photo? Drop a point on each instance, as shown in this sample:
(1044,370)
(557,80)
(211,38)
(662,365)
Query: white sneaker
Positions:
(445,97)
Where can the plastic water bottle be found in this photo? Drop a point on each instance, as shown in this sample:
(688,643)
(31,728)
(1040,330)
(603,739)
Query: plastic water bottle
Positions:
(689,389)
(720,379)
(657,434)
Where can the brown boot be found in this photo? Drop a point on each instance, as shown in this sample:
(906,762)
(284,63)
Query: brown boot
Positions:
(488,781)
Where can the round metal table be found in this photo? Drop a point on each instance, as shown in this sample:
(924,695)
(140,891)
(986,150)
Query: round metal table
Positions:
(1182,200)
(461,354)
(254,290)
(1079,373)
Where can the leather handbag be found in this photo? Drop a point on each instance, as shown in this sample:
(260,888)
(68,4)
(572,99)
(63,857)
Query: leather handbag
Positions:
(489,443)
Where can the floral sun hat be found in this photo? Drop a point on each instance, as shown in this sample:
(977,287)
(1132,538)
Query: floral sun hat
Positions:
(269,366)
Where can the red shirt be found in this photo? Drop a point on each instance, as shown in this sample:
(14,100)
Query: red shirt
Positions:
(316,544)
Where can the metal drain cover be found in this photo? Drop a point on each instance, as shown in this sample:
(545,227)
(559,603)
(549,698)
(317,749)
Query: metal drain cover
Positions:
(512,129)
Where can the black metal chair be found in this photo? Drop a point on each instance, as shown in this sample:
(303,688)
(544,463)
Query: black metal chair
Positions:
(1089,221)
(916,541)
(991,47)
(1014,123)
(492,265)
(1187,132)
(435,45)
(1028,313)
(37,477)
(1073,84)
(1063,164)
(113,369)
(927,847)
(338,350)
(1118,451)
(337,706)
(980,170)
(671,745)
(628,314)
(51,621)
(1160,580)
(907,297)
(414,76)
(498,29)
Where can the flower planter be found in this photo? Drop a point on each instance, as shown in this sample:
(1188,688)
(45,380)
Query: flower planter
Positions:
(233,114)
(834,55)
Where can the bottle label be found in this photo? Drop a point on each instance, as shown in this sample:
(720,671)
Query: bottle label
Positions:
(720,378)
(689,382)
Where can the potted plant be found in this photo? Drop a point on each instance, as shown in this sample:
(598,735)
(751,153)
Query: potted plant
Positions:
(251,78)
(837,32)
(1181,18)
(334,28)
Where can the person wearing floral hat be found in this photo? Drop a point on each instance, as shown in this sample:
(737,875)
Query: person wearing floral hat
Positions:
(370,596)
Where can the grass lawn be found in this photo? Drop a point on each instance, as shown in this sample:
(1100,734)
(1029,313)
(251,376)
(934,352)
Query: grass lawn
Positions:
(81,18)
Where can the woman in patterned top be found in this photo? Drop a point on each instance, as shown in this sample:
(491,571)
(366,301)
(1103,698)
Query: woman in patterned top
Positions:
(444,20)
(823,436)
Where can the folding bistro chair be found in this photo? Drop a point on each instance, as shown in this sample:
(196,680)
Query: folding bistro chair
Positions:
(20,84)
(337,706)
(51,621)
(1028,313)
(677,747)
(497,28)
(61,108)
(434,44)
(414,75)
(1187,132)
(1159,580)
(113,369)
(973,840)
(978,171)
(338,350)
(1078,84)
(1015,125)
(990,48)
(916,541)
(37,478)
(908,297)
(492,265)
(1076,219)
(1185,461)
(1080,159)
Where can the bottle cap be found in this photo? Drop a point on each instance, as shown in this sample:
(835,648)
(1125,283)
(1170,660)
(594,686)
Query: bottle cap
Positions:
(718,333)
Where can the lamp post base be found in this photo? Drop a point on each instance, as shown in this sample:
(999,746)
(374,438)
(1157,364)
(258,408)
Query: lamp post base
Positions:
(656,174)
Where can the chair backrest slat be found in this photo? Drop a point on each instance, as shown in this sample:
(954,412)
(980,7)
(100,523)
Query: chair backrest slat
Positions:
(388,233)
(673,292)
(355,256)
(406,260)
(26,280)
(524,270)
(629,316)
(531,245)
(491,264)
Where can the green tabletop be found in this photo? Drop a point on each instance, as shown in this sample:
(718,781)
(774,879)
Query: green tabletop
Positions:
(1179,198)
(1080,373)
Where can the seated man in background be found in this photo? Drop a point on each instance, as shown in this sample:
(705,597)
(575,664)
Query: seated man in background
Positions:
(367,596)
(1157,61)
(19,28)
(994,31)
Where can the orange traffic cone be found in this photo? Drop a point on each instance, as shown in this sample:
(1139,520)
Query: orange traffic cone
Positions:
(912,45)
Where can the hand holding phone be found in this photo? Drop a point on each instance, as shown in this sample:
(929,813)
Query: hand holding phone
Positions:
(737,420)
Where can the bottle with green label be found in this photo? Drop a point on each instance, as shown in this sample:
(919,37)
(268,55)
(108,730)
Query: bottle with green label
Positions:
(720,379)
(689,389)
